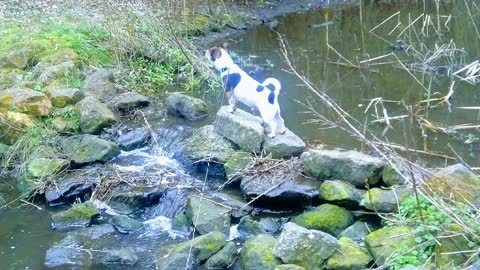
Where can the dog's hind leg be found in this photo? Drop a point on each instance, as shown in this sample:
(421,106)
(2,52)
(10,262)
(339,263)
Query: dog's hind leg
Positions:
(280,122)
(232,101)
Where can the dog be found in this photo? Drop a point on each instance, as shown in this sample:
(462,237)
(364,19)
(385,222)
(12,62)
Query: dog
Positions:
(239,86)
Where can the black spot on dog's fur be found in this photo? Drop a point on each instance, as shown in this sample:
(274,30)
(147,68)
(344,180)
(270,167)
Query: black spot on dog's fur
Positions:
(270,86)
(230,81)
(271,97)
(260,88)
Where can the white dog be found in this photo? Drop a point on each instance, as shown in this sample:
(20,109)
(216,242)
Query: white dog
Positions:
(239,86)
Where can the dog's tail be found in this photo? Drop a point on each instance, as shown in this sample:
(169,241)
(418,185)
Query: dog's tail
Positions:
(274,86)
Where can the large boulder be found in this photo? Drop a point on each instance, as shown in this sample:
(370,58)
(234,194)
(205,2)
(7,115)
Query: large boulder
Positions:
(194,252)
(133,139)
(307,248)
(86,149)
(63,96)
(125,224)
(236,165)
(284,145)
(453,248)
(457,183)
(348,256)
(55,73)
(13,126)
(385,200)
(94,115)
(186,106)
(391,177)
(257,253)
(384,242)
(241,128)
(28,101)
(207,215)
(80,215)
(116,259)
(248,228)
(17,59)
(129,101)
(44,167)
(100,84)
(351,166)
(136,199)
(223,259)
(341,193)
(69,187)
(326,217)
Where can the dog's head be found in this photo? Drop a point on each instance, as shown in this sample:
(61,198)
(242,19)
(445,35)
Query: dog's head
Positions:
(219,57)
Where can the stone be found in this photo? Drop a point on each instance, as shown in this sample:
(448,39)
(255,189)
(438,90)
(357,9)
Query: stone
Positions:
(385,201)
(284,145)
(181,223)
(44,167)
(80,215)
(384,242)
(289,267)
(456,183)
(125,224)
(134,139)
(59,72)
(358,231)
(195,251)
(391,177)
(87,149)
(63,96)
(326,217)
(341,193)
(17,59)
(242,128)
(186,106)
(223,259)
(257,253)
(28,101)
(236,165)
(119,258)
(129,101)
(351,166)
(11,77)
(348,256)
(94,115)
(75,184)
(135,199)
(13,126)
(207,215)
(450,249)
(2,201)
(248,228)
(63,125)
(100,84)
(304,247)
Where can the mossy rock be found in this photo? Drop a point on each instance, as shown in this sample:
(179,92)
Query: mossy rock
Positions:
(384,242)
(87,149)
(181,223)
(125,224)
(385,201)
(348,256)
(28,101)
(248,228)
(13,126)
(63,96)
(80,215)
(205,143)
(44,167)
(257,253)
(341,193)
(289,267)
(391,177)
(326,217)
(17,58)
(186,106)
(207,215)
(94,115)
(223,259)
(450,249)
(236,164)
(9,77)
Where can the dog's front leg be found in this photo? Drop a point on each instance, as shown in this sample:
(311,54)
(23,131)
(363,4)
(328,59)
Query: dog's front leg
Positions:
(232,101)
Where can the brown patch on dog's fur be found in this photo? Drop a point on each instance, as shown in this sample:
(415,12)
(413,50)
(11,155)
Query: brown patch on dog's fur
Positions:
(229,94)
(215,53)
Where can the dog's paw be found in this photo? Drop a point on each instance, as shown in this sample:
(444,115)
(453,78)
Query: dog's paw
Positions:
(283,131)
(271,135)
(231,110)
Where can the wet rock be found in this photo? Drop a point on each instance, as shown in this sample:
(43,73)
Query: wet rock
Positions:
(80,215)
(391,177)
(358,231)
(307,248)
(382,200)
(172,203)
(123,257)
(14,126)
(284,145)
(17,59)
(257,253)
(236,202)
(135,199)
(450,249)
(326,217)
(348,256)
(341,193)
(194,251)
(181,223)
(133,139)
(351,166)
(240,127)
(86,149)
(63,96)
(223,259)
(44,167)
(207,215)
(129,101)
(456,183)
(384,242)
(125,224)
(94,115)
(28,101)
(236,164)
(186,106)
(248,228)
(100,85)
(75,184)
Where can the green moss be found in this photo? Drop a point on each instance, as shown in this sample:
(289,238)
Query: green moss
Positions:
(327,217)
(348,256)
(385,242)
(257,253)
(204,245)
(43,167)
(80,215)
(236,164)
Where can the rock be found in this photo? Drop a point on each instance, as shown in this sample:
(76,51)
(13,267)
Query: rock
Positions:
(236,164)
(80,215)
(341,193)
(456,183)
(289,267)
(241,128)
(348,256)
(135,199)
(28,101)
(86,149)
(94,115)
(186,106)
(4,151)
(307,248)
(63,96)
(351,166)
(43,167)
(195,251)
(13,126)
(181,223)
(223,259)
(284,145)
(386,201)
(50,74)
(257,253)
(391,177)
(133,139)
(358,231)
(450,249)
(326,217)
(129,101)
(63,125)
(100,85)
(125,224)
(11,77)
(119,258)
(207,216)
(17,59)
(75,184)
(384,242)
(248,228)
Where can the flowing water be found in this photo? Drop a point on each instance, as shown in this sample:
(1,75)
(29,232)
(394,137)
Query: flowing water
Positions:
(315,40)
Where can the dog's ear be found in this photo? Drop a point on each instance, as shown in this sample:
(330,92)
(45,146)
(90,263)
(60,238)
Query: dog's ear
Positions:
(225,46)
(215,53)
